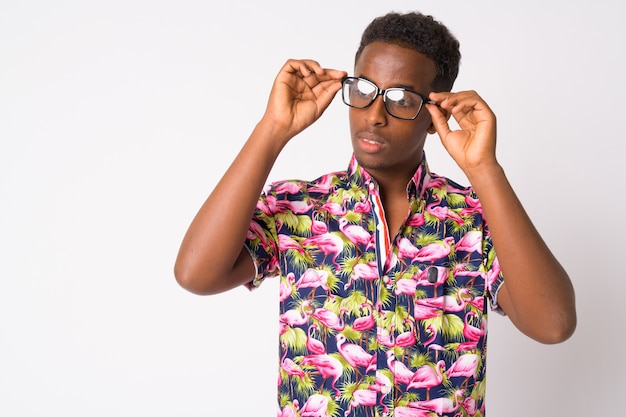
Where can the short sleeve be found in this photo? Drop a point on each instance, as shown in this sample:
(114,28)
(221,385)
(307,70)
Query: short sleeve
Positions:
(494,277)
(262,242)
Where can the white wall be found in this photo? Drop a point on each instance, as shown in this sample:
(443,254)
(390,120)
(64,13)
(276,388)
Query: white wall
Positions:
(117,118)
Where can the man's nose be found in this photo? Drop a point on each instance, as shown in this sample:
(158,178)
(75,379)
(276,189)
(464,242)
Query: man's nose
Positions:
(377,113)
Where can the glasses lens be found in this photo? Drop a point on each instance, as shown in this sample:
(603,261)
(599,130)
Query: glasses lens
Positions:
(358,92)
(402,103)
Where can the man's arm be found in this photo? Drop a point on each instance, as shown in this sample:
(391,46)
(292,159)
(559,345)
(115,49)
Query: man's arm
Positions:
(212,257)
(537,295)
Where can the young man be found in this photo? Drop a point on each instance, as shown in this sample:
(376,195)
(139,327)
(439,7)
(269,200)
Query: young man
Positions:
(386,270)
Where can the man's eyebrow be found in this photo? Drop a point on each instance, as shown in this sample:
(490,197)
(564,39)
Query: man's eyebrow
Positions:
(405,86)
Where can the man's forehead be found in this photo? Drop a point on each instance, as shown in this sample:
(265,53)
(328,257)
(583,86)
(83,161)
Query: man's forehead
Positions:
(384,62)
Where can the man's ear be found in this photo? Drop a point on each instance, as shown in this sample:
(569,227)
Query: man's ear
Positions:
(431,128)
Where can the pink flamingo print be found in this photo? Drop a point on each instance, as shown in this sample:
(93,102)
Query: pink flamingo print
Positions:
(313,345)
(267,207)
(471,241)
(335,209)
(328,243)
(329,319)
(407,338)
(366,272)
(295,317)
(472,333)
(416,220)
(289,410)
(466,346)
(323,184)
(318,227)
(410,412)
(296,207)
(365,322)
(363,206)
(406,249)
(462,270)
(493,273)
(434,251)
(442,405)
(478,302)
(473,207)
(465,366)
(315,406)
(290,367)
(425,311)
(288,187)
(327,366)
(313,278)
(382,384)
(285,288)
(399,370)
(469,404)
(384,337)
(427,377)
(286,243)
(355,233)
(407,286)
(449,303)
(354,354)
(435,182)
(256,231)
(443,213)
(433,336)
(282,328)
(366,398)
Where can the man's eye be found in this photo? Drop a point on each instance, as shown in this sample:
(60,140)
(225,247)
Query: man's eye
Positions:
(401,98)
(365,89)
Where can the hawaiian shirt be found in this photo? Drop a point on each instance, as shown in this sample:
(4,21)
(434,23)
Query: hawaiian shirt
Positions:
(374,323)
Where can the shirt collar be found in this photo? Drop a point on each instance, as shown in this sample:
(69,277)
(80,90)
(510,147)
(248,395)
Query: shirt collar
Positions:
(415,188)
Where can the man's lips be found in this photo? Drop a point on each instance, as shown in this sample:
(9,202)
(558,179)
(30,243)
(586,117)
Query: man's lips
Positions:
(370,142)
(370,138)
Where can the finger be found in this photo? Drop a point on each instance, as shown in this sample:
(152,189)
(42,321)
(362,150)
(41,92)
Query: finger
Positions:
(318,80)
(336,74)
(326,90)
(302,67)
(466,107)
(450,100)
(439,96)
(439,120)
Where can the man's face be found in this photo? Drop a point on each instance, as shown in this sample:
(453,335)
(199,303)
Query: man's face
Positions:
(383,144)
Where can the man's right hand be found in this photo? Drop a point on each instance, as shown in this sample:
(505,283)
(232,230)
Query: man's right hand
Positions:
(301,92)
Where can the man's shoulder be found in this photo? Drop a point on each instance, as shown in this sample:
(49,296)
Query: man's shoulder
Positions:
(322,185)
(450,186)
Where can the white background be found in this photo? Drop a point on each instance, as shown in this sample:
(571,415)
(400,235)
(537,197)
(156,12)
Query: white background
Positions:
(117,118)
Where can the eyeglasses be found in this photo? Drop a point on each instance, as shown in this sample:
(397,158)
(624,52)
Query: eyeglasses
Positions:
(399,102)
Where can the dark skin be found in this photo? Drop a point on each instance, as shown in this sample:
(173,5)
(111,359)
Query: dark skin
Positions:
(391,149)
(537,296)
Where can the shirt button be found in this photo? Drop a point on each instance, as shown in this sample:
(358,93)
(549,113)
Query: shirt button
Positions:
(371,185)
(387,281)
(432,274)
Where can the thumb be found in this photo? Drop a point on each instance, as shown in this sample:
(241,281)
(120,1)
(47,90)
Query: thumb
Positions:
(439,118)
(327,93)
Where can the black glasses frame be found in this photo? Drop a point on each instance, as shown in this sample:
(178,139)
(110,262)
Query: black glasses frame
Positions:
(381,92)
